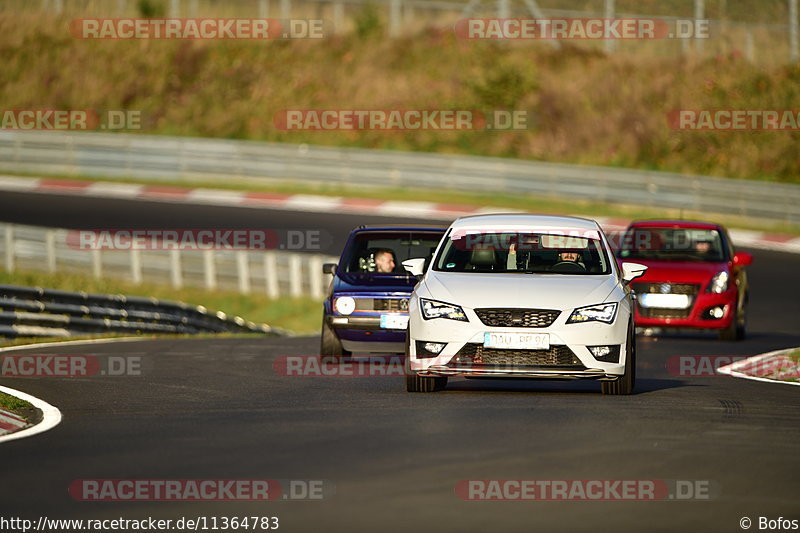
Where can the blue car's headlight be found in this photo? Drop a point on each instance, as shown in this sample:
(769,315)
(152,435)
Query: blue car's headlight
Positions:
(594,313)
(433,309)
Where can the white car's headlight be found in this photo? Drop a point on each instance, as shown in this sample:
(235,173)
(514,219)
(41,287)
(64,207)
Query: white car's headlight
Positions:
(719,283)
(433,309)
(594,313)
(344,305)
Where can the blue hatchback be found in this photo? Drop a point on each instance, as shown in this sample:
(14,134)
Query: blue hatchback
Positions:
(366,309)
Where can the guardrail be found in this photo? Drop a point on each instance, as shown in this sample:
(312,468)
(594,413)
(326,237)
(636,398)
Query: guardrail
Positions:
(37,312)
(117,156)
(274,273)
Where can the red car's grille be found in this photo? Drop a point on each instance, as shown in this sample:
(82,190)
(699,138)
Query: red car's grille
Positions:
(690,289)
(657,312)
(666,288)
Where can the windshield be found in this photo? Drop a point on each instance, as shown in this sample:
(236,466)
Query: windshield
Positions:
(672,244)
(384,252)
(523,252)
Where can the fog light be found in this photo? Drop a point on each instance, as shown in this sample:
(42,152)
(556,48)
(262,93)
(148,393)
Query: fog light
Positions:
(607,354)
(433,347)
(427,350)
(600,351)
(717,312)
(339,320)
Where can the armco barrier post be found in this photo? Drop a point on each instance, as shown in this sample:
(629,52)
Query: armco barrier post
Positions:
(9,243)
(176,274)
(209,269)
(50,247)
(315,276)
(97,264)
(295,279)
(136,266)
(271,274)
(243,271)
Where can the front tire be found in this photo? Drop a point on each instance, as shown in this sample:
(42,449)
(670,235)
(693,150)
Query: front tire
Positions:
(738,328)
(415,383)
(330,349)
(624,384)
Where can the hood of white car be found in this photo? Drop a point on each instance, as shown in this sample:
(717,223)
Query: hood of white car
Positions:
(539,291)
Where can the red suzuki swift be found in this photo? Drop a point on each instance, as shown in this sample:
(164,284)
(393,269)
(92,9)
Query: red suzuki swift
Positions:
(695,278)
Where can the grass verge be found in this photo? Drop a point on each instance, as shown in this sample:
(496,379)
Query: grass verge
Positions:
(19,407)
(298,315)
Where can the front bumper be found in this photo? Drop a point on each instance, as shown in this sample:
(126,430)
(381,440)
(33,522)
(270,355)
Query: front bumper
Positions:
(696,316)
(570,340)
(365,334)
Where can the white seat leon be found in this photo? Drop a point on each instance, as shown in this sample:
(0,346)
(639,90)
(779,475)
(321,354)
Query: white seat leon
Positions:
(523,296)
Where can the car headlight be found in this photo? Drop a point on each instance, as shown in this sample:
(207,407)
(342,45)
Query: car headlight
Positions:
(719,283)
(594,313)
(344,305)
(433,309)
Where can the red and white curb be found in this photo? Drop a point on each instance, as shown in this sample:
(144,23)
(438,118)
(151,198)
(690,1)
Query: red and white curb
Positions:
(10,422)
(322,204)
(771,367)
(51,417)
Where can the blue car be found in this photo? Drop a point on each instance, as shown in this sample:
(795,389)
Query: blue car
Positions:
(366,309)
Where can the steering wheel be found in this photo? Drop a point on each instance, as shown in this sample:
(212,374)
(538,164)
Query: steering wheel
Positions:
(567,267)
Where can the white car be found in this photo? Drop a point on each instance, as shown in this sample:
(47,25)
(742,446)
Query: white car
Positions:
(526,296)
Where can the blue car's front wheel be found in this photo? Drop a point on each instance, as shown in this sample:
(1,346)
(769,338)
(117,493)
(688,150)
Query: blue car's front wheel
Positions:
(330,349)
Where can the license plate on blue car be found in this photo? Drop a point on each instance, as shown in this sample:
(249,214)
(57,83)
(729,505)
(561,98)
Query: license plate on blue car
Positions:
(394,321)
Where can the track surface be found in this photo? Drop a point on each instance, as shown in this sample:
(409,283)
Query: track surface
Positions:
(216,409)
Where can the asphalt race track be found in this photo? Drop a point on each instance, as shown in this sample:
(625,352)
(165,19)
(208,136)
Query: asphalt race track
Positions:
(216,408)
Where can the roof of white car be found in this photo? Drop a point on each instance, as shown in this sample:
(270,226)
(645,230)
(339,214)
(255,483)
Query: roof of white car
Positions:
(524,221)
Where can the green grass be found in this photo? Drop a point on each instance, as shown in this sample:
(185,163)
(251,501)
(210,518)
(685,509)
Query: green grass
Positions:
(298,315)
(523,202)
(12,403)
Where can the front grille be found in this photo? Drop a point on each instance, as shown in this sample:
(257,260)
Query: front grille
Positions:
(666,288)
(381,304)
(518,318)
(477,355)
(658,312)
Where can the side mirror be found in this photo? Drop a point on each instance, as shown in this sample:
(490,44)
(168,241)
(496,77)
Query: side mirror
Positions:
(742,259)
(631,271)
(329,268)
(415,265)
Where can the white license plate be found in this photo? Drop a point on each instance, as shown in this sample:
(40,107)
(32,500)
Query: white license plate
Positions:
(519,341)
(664,301)
(394,321)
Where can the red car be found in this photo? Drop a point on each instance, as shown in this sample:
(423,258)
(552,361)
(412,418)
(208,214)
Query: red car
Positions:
(695,278)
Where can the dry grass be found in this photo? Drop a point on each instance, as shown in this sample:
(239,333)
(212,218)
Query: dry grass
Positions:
(589,108)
